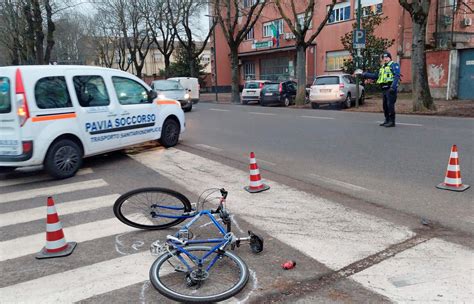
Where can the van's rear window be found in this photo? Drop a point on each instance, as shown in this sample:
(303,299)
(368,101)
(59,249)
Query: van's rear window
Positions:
(327,80)
(5,101)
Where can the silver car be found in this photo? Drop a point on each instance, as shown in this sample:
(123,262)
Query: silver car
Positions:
(172,89)
(339,88)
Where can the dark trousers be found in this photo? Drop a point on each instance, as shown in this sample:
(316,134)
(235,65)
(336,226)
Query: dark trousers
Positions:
(389,100)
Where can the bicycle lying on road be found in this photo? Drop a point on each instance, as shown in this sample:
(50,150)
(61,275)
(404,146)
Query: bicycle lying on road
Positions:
(184,270)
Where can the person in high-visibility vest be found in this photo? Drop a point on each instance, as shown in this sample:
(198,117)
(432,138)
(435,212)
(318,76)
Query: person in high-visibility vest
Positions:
(388,78)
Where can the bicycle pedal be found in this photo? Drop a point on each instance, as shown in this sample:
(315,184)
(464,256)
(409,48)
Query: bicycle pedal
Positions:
(156,248)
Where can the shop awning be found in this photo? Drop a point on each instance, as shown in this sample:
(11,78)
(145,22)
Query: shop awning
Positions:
(267,51)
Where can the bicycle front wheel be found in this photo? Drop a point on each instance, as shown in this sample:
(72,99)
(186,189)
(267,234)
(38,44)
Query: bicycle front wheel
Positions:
(151,208)
(225,278)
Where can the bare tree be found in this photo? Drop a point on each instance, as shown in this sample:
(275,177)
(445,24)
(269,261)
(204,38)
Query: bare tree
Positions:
(236,21)
(12,24)
(187,10)
(158,16)
(300,27)
(419,10)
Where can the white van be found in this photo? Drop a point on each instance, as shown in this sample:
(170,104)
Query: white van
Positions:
(191,84)
(57,115)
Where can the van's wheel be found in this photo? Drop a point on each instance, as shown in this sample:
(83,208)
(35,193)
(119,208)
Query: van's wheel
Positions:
(63,159)
(346,104)
(169,133)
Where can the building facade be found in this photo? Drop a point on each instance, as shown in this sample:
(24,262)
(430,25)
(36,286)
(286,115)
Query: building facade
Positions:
(449,43)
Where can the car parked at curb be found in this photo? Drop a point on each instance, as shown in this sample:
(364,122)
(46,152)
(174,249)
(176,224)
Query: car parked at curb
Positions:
(278,93)
(56,115)
(251,91)
(338,88)
(172,89)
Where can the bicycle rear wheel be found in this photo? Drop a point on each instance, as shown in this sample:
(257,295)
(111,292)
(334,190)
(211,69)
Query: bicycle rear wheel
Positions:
(227,277)
(151,208)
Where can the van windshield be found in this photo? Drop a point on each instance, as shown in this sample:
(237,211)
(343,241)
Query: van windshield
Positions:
(327,80)
(167,85)
(5,102)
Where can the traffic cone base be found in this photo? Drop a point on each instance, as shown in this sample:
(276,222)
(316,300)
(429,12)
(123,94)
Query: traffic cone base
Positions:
(453,188)
(44,254)
(256,190)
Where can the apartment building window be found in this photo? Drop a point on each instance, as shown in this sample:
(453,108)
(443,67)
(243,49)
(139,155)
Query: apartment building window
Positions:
(341,12)
(301,20)
(205,59)
(267,28)
(250,35)
(335,60)
(249,70)
(371,7)
(249,3)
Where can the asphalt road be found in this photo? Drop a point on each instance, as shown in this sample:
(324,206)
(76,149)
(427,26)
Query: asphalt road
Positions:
(348,152)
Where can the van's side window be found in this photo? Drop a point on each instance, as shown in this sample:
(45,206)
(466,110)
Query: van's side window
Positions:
(5,104)
(129,91)
(91,91)
(51,92)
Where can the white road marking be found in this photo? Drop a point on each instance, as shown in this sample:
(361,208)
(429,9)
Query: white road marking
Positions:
(260,113)
(328,227)
(22,246)
(32,179)
(434,271)
(23,216)
(318,117)
(209,147)
(220,110)
(33,193)
(339,183)
(266,162)
(404,124)
(82,283)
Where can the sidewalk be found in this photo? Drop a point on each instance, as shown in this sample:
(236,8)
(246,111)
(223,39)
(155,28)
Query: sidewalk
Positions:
(373,104)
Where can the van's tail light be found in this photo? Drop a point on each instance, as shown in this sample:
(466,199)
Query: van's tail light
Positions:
(260,85)
(27,146)
(280,88)
(341,85)
(22,105)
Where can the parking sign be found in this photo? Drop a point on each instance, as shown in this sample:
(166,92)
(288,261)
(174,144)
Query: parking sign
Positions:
(358,41)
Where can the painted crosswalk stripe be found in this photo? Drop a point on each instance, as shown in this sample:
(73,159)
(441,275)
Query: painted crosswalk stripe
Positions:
(23,216)
(22,246)
(317,117)
(260,113)
(220,110)
(33,179)
(208,147)
(434,271)
(82,283)
(52,190)
(329,225)
(404,124)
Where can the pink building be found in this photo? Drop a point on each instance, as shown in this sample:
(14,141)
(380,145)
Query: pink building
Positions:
(450,45)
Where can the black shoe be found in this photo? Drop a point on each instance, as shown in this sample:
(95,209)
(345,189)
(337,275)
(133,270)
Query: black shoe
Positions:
(391,124)
(383,123)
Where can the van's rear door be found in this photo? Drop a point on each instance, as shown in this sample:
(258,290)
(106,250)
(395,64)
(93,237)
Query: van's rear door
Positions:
(10,131)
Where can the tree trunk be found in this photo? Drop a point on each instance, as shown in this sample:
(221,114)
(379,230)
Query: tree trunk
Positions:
(50,34)
(234,59)
(39,35)
(422,99)
(301,73)
(167,64)
(192,65)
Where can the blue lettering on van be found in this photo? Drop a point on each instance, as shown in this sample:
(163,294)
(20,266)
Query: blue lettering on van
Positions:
(108,137)
(120,124)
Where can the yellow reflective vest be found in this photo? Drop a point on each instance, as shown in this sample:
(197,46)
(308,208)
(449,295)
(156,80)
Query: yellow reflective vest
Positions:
(385,74)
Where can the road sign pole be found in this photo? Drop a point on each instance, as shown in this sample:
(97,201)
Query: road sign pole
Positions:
(357,56)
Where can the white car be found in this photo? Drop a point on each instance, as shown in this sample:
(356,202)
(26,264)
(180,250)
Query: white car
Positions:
(191,84)
(340,88)
(251,91)
(56,115)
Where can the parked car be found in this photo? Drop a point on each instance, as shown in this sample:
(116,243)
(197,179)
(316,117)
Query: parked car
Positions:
(191,84)
(251,91)
(54,115)
(278,93)
(171,89)
(340,88)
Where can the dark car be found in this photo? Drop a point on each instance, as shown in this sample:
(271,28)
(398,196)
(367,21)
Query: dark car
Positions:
(278,93)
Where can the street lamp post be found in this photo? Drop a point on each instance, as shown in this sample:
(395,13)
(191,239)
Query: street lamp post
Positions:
(357,56)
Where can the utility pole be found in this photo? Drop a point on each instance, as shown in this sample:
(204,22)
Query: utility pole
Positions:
(358,55)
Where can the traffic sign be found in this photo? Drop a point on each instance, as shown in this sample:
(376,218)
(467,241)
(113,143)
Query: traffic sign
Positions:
(358,41)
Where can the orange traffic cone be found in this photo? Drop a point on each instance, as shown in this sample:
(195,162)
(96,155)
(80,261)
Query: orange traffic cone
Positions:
(453,181)
(256,184)
(56,245)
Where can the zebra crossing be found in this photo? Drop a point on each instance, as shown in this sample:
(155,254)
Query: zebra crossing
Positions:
(113,260)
